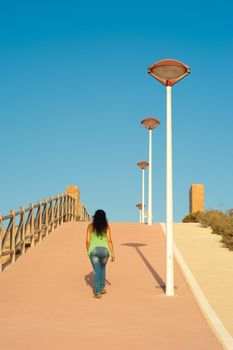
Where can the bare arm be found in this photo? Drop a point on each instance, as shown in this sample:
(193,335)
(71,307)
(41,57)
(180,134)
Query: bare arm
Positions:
(109,240)
(88,236)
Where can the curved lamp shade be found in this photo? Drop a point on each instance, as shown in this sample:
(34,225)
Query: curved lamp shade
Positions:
(143,164)
(150,123)
(169,72)
(139,206)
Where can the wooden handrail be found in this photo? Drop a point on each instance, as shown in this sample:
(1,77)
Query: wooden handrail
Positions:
(34,223)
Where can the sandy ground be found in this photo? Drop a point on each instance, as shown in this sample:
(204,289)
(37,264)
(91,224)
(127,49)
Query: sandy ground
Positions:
(47,300)
(211,265)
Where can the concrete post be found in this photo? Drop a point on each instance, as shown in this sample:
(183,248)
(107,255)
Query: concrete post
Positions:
(196,198)
(73,191)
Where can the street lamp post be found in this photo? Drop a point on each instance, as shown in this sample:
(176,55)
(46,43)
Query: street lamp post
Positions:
(169,72)
(143,165)
(150,124)
(139,206)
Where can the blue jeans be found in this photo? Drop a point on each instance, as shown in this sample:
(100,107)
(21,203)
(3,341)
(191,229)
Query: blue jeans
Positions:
(99,258)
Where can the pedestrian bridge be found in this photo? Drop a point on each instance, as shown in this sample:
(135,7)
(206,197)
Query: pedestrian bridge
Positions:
(47,299)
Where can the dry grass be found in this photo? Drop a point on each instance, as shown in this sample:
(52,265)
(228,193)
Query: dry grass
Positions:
(221,223)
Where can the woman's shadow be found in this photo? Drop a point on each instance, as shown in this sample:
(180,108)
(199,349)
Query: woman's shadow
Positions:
(89,278)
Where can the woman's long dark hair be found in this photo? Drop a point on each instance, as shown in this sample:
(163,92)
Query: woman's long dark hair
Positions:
(100,222)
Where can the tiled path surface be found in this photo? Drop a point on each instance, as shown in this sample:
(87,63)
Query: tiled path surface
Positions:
(47,302)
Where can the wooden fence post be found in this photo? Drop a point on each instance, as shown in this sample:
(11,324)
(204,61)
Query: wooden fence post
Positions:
(52,214)
(73,209)
(68,208)
(32,225)
(40,221)
(12,237)
(62,208)
(58,210)
(65,208)
(1,238)
(22,213)
(46,217)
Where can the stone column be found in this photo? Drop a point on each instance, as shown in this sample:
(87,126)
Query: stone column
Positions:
(73,191)
(196,198)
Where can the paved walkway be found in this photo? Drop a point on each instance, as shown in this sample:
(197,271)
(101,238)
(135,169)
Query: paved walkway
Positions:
(212,266)
(47,301)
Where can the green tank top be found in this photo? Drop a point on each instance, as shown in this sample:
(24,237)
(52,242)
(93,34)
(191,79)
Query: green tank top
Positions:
(98,241)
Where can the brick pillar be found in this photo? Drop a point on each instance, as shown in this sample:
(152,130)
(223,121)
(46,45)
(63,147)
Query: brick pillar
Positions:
(73,191)
(196,198)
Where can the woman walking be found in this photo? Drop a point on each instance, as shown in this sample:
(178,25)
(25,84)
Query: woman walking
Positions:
(99,248)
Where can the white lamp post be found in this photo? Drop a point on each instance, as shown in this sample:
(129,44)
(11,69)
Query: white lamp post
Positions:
(143,165)
(139,206)
(169,72)
(150,124)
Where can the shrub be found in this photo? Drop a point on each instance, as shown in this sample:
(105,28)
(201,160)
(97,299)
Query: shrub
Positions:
(220,223)
(227,239)
(230,212)
(224,227)
(208,217)
(193,217)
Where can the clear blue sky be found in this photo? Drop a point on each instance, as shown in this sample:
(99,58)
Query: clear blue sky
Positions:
(74,88)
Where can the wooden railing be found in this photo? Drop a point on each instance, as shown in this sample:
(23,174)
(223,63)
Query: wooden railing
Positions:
(24,228)
(83,214)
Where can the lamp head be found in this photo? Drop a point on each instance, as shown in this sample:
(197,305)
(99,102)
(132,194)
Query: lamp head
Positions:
(168,72)
(143,164)
(150,123)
